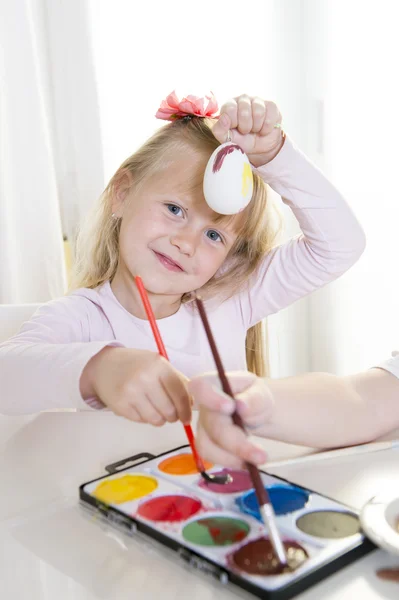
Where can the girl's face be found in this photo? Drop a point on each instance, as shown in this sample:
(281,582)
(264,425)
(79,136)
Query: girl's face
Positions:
(168,235)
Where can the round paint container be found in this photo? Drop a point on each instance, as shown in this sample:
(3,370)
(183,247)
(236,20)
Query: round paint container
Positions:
(125,488)
(330,524)
(215,530)
(284,498)
(240,481)
(257,557)
(380,522)
(181,464)
(172,508)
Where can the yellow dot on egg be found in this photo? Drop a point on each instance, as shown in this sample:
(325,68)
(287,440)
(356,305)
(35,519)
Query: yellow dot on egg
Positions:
(246,179)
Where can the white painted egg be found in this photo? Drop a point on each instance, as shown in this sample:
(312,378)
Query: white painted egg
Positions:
(228,180)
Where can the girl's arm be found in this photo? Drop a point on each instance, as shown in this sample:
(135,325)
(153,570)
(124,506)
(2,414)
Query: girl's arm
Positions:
(40,367)
(317,409)
(332,240)
(322,410)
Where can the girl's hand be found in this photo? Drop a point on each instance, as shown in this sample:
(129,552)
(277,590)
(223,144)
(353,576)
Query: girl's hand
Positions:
(219,440)
(252,122)
(137,384)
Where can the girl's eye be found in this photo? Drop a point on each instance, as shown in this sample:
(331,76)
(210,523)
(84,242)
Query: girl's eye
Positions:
(174,209)
(214,235)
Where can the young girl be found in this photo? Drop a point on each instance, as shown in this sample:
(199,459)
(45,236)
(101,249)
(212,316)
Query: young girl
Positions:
(315,409)
(94,348)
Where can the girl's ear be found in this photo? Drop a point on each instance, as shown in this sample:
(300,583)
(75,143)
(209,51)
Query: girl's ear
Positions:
(122,186)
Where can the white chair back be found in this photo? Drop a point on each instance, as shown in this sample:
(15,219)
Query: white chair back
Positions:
(12,316)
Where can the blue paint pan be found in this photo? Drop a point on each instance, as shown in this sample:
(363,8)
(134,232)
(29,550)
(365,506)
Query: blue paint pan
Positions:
(284,498)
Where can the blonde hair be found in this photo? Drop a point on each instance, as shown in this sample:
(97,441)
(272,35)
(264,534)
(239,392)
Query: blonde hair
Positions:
(97,248)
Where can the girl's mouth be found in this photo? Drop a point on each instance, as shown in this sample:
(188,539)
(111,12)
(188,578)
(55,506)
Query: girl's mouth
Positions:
(168,263)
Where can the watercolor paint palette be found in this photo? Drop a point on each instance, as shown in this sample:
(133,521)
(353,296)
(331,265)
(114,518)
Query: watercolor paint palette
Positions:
(217,528)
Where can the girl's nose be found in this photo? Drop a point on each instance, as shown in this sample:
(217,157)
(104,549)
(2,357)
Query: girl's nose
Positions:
(186,241)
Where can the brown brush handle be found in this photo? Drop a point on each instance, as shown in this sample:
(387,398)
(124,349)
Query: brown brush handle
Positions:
(261,493)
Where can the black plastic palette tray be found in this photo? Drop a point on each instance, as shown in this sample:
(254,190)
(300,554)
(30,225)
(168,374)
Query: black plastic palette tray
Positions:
(214,531)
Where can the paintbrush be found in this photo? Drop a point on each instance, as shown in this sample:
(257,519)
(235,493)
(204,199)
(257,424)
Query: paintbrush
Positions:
(265,506)
(210,478)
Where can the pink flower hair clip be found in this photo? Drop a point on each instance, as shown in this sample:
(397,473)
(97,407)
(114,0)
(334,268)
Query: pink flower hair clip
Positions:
(173,108)
(228,179)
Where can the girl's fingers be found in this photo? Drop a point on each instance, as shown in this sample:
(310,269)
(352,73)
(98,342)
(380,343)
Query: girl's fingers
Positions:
(245,122)
(258,114)
(227,121)
(209,396)
(214,453)
(224,434)
(245,115)
(253,404)
(133,415)
(230,108)
(148,412)
(136,406)
(177,393)
(162,402)
(272,117)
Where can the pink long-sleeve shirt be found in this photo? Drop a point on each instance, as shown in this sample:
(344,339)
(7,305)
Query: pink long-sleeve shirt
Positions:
(40,367)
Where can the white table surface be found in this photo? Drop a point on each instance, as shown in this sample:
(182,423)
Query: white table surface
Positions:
(49,550)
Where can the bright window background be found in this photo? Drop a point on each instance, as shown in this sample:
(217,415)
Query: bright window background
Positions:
(354,322)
